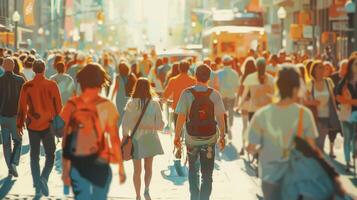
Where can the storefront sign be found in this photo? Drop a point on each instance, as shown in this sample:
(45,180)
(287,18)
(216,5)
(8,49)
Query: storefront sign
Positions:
(29,18)
(337,9)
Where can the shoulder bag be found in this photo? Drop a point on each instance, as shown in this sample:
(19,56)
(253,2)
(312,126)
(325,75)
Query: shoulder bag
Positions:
(127,148)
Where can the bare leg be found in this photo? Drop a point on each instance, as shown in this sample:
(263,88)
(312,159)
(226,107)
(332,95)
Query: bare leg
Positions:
(245,126)
(148,174)
(137,177)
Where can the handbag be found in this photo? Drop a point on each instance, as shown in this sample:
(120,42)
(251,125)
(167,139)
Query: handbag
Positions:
(306,176)
(57,124)
(334,121)
(127,148)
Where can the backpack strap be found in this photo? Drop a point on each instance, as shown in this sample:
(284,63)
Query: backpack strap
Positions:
(197,94)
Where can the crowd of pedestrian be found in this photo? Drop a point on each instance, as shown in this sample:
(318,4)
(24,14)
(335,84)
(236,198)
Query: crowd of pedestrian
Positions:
(107,108)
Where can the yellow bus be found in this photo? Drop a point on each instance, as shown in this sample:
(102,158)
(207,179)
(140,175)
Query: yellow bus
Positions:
(234,36)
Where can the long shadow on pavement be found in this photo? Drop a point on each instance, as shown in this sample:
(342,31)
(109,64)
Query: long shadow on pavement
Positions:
(230,153)
(6,185)
(170,174)
(249,169)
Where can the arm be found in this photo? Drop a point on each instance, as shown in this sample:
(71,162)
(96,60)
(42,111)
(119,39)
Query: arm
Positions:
(113,130)
(168,91)
(116,87)
(159,123)
(22,109)
(178,129)
(57,99)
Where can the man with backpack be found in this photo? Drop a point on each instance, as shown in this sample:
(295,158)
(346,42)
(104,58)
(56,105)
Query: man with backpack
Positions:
(91,141)
(40,102)
(202,109)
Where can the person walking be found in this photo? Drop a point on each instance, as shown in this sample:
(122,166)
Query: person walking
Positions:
(153,77)
(81,61)
(123,88)
(346,92)
(94,121)
(10,87)
(248,68)
(146,142)
(260,86)
(64,81)
(321,100)
(228,86)
(202,109)
(272,129)
(178,84)
(28,72)
(40,102)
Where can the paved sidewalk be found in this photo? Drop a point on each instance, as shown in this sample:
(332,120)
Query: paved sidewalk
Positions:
(233,177)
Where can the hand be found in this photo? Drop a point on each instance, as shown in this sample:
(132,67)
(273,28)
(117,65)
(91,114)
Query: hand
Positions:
(221,143)
(20,131)
(122,177)
(177,142)
(66,179)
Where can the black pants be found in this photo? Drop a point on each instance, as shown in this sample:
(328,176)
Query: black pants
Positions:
(48,140)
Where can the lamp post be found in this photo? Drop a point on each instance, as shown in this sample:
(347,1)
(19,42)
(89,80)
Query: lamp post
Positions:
(350,8)
(16,19)
(281,15)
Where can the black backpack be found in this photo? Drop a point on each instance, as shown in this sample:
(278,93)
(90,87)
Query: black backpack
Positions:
(201,121)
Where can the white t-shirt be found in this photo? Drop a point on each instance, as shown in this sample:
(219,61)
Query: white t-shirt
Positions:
(258,98)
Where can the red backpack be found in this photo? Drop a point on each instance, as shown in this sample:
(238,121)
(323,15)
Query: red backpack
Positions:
(201,121)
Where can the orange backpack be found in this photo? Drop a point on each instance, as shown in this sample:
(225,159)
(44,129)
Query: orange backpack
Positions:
(86,138)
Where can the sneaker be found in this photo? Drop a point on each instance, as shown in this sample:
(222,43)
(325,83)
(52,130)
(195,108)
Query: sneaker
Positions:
(44,187)
(13,170)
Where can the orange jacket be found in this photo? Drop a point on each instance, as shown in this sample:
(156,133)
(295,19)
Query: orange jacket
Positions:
(176,85)
(40,102)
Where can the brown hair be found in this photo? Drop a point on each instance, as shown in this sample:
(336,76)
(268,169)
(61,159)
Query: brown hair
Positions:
(143,89)
(249,67)
(60,67)
(38,66)
(184,66)
(123,69)
(92,76)
(203,73)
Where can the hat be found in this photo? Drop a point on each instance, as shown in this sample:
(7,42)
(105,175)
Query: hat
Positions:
(227,58)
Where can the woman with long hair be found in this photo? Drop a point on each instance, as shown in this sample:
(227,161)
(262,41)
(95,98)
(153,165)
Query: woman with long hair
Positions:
(173,72)
(18,67)
(321,100)
(248,68)
(123,87)
(260,86)
(346,92)
(146,142)
(155,79)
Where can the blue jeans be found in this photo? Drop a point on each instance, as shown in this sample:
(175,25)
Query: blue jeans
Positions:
(349,134)
(8,132)
(48,141)
(84,189)
(197,158)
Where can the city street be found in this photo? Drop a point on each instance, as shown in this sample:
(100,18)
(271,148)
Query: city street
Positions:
(233,176)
